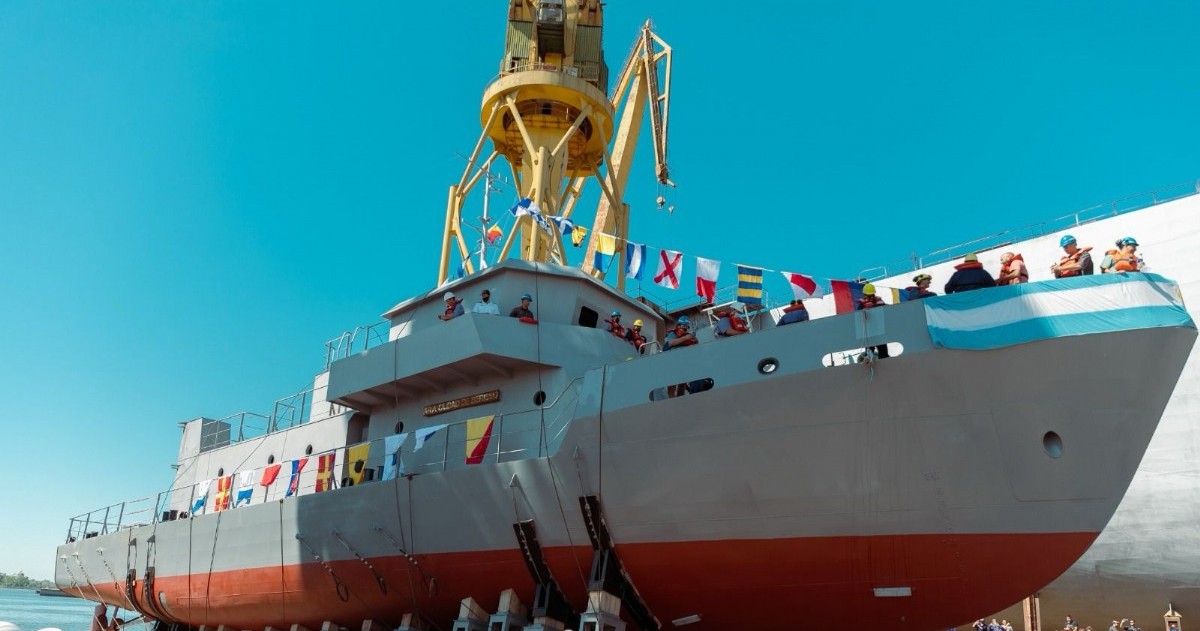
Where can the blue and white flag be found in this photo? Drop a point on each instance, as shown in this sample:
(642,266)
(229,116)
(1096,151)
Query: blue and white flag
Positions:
(392,464)
(201,495)
(1079,305)
(522,207)
(565,226)
(423,435)
(245,488)
(635,260)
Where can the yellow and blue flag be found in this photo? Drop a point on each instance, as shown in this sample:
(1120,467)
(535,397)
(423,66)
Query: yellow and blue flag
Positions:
(750,288)
(606,249)
(898,295)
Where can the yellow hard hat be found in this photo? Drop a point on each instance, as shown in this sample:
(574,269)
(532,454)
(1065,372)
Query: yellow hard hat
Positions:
(637,323)
(868,289)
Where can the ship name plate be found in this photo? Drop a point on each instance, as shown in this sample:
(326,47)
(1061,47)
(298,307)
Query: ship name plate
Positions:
(482,398)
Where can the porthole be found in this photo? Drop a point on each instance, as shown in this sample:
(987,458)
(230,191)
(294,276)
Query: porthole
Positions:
(768,365)
(308,450)
(271,459)
(221,472)
(399,427)
(539,397)
(1053,444)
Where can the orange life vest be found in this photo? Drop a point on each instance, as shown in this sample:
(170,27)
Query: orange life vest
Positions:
(1010,268)
(1123,262)
(636,338)
(615,328)
(680,332)
(1071,259)
(868,302)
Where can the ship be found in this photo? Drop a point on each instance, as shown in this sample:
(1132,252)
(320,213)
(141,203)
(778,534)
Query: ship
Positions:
(539,472)
(1143,566)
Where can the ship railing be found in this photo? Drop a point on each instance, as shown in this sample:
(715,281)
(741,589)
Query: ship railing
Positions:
(355,341)
(1111,208)
(286,413)
(516,435)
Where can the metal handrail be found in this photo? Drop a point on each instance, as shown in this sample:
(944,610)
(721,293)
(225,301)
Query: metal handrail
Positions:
(1111,208)
(357,340)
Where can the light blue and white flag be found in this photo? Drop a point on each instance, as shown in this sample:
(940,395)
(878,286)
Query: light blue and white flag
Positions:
(423,435)
(201,495)
(392,464)
(1081,305)
(245,488)
(565,226)
(635,260)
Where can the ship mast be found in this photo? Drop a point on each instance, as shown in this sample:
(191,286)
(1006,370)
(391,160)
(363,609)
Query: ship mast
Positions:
(549,116)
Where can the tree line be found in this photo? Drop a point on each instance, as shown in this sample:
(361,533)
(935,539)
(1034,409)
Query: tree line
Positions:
(20,581)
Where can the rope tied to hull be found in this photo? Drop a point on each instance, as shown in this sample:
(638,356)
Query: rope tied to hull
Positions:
(343,592)
(431,584)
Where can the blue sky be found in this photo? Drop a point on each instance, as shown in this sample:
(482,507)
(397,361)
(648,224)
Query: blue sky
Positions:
(195,196)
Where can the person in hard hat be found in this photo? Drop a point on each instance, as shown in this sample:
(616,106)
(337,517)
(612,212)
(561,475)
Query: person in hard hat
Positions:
(1076,262)
(522,310)
(485,304)
(681,335)
(729,324)
(454,307)
(1124,259)
(920,287)
(1012,270)
(634,335)
(793,313)
(614,324)
(969,275)
(869,299)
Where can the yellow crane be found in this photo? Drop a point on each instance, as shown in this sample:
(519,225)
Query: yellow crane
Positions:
(548,115)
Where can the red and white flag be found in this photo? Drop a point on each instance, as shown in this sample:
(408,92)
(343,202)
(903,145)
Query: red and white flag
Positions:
(803,286)
(706,278)
(670,264)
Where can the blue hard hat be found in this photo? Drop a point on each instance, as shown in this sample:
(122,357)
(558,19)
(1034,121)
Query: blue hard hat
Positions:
(683,320)
(616,314)
(1128,241)
(1066,240)
(527,297)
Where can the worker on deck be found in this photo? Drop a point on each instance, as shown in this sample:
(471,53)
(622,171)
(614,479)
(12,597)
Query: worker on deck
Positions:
(969,275)
(729,324)
(1077,262)
(1012,270)
(485,304)
(870,300)
(634,335)
(454,307)
(614,324)
(522,310)
(920,287)
(793,313)
(1123,259)
(681,335)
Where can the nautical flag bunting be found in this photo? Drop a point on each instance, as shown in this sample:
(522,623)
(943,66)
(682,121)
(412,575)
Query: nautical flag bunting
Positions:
(670,264)
(494,233)
(269,474)
(224,485)
(846,295)
(245,488)
(750,285)
(803,286)
(356,459)
(578,235)
(294,482)
(606,248)
(423,435)
(325,481)
(707,271)
(392,465)
(635,260)
(479,434)
(201,495)
(897,295)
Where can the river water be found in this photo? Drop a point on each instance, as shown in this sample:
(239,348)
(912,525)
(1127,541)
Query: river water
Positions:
(30,612)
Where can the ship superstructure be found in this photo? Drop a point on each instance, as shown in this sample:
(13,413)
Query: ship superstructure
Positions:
(448,468)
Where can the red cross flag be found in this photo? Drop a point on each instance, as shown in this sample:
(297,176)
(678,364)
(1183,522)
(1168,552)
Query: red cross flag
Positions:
(670,264)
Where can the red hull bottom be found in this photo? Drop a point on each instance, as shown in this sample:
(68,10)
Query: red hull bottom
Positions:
(815,582)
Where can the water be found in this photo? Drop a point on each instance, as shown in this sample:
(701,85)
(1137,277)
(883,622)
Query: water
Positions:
(30,612)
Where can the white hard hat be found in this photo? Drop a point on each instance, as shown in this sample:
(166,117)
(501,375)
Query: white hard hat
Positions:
(449,296)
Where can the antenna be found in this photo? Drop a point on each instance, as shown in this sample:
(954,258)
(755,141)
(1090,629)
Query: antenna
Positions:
(492,183)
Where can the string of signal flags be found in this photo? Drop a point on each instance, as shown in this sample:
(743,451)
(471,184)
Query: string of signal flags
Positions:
(669,269)
(668,272)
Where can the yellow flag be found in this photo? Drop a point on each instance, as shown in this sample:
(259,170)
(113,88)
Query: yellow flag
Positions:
(479,434)
(356,461)
(578,235)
